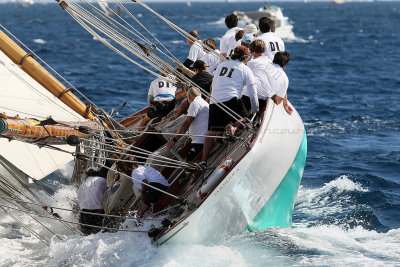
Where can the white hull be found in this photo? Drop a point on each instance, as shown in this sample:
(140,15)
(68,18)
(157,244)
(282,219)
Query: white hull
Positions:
(283,28)
(242,194)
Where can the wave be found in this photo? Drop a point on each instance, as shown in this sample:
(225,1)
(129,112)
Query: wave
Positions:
(39,41)
(340,202)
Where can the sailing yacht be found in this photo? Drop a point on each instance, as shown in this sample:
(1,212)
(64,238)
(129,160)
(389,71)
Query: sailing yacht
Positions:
(251,180)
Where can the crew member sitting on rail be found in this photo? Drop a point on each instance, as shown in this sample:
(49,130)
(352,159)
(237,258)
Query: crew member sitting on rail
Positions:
(196,50)
(212,61)
(228,42)
(273,43)
(147,175)
(260,65)
(281,84)
(90,197)
(271,80)
(161,98)
(197,123)
(227,89)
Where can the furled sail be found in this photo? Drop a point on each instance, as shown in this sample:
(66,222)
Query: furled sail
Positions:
(21,95)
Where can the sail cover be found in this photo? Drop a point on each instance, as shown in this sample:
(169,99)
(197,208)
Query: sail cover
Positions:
(22,95)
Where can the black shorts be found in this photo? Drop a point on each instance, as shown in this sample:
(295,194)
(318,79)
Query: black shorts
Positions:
(150,195)
(90,219)
(246,101)
(219,119)
(194,150)
(160,109)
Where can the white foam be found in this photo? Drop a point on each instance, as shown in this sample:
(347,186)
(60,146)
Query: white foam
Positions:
(39,41)
(328,199)
(177,42)
(357,246)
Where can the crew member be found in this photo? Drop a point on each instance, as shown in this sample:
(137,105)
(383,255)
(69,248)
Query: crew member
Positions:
(228,42)
(196,121)
(251,29)
(161,98)
(227,89)
(273,43)
(281,60)
(203,79)
(196,50)
(272,81)
(90,197)
(147,175)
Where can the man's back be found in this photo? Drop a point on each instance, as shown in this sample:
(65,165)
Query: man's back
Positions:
(273,44)
(162,90)
(229,80)
(227,41)
(199,109)
(212,61)
(203,79)
(90,193)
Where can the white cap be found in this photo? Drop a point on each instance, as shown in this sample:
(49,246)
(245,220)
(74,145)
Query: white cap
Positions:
(250,29)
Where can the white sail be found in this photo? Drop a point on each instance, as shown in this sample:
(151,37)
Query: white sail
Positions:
(21,95)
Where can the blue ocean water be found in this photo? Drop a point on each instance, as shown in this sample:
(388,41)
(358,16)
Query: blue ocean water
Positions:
(344,82)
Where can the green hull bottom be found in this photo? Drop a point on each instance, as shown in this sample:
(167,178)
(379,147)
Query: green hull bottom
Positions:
(279,208)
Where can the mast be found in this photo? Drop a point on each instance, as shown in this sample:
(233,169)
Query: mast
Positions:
(42,76)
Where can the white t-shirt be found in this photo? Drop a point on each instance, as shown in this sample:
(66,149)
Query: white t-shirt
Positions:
(271,78)
(259,68)
(196,52)
(90,193)
(229,79)
(150,174)
(228,41)
(273,44)
(232,44)
(162,90)
(200,111)
(212,61)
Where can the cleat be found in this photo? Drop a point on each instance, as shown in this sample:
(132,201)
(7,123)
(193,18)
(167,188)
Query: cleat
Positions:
(203,164)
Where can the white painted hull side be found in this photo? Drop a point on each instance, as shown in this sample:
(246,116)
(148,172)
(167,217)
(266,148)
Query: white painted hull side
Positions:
(231,207)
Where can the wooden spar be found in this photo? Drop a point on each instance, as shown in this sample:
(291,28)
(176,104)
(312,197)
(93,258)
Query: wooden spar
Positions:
(42,76)
(28,130)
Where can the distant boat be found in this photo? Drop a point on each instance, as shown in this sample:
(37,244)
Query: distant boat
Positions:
(283,28)
(188,3)
(24,3)
(338,2)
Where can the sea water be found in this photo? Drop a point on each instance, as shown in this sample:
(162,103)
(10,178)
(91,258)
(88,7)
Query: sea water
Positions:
(344,81)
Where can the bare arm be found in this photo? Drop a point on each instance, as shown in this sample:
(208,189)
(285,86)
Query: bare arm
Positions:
(286,106)
(277,99)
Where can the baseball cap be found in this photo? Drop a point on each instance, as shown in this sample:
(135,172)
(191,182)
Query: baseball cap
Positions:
(250,29)
(199,64)
(247,39)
